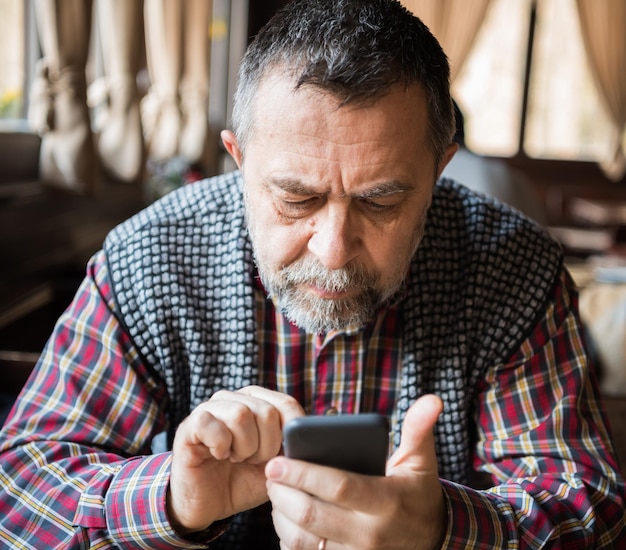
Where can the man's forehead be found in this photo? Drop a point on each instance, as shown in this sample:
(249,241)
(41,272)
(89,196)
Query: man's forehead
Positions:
(282,81)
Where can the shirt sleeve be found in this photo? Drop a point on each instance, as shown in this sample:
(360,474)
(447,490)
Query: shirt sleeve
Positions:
(76,468)
(543,440)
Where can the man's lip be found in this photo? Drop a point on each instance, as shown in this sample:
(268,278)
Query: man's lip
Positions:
(328,294)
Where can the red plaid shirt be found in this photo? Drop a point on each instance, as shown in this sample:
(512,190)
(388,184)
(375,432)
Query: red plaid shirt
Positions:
(76,469)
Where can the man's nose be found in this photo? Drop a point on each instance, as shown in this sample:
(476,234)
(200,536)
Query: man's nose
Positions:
(335,239)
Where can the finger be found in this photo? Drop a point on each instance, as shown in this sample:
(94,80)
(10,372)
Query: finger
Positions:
(417,442)
(255,416)
(202,435)
(287,406)
(341,488)
(300,520)
(292,537)
(254,425)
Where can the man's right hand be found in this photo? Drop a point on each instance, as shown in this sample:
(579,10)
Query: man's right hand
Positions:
(219,455)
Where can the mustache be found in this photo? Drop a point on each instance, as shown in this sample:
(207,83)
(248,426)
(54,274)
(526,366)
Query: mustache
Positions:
(311,272)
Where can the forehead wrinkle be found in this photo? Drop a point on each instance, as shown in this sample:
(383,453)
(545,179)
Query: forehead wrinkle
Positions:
(355,154)
(326,143)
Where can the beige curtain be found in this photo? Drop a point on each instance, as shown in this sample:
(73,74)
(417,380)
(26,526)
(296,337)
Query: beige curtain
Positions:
(175,111)
(455,23)
(603,25)
(161,111)
(58,104)
(194,88)
(120,135)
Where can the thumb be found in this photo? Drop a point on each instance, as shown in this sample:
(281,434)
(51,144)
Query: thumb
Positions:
(417,443)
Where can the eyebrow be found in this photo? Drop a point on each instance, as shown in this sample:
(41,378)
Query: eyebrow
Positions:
(297,187)
(385,189)
(289,185)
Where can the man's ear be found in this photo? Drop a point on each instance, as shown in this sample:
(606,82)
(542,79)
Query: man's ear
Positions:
(232,146)
(447,157)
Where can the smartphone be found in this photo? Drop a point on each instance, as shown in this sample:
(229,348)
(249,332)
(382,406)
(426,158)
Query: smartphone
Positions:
(355,442)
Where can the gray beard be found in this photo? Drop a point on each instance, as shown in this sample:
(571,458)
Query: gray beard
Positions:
(318,315)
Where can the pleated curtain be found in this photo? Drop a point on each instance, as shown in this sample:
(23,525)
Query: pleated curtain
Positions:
(170,121)
(175,110)
(58,109)
(603,26)
(120,143)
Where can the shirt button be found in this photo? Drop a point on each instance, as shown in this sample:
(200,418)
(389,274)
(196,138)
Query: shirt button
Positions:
(331,411)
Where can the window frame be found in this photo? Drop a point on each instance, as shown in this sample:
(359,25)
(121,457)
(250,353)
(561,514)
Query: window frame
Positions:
(557,180)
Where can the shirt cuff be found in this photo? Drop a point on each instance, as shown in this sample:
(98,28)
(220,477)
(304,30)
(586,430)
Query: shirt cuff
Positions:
(136,508)
(475,519)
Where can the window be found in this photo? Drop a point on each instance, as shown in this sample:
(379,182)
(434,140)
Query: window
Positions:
(564,118)
(490,86)
(12,58)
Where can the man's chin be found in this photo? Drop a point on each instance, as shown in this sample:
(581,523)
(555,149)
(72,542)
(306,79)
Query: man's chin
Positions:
(322,315)
(316,325)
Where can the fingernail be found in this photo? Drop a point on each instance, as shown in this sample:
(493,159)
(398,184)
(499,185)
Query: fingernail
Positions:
(275,469)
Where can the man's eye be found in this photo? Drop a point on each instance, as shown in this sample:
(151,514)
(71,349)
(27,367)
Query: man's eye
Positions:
(376,206)
(300,204)
(295,207)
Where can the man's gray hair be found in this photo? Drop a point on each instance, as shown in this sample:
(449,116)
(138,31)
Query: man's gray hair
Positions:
(356,50)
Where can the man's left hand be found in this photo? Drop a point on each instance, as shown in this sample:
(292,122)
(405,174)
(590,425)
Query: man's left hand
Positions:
(404,509)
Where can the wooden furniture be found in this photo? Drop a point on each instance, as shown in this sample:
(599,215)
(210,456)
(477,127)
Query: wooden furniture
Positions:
(46,239)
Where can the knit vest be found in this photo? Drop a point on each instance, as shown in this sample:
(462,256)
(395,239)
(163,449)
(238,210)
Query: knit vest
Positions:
(181,272)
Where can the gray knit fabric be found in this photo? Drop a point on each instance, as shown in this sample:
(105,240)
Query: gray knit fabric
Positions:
(182,279)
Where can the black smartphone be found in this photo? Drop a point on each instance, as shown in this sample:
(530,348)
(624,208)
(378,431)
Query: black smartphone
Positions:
(355,442)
